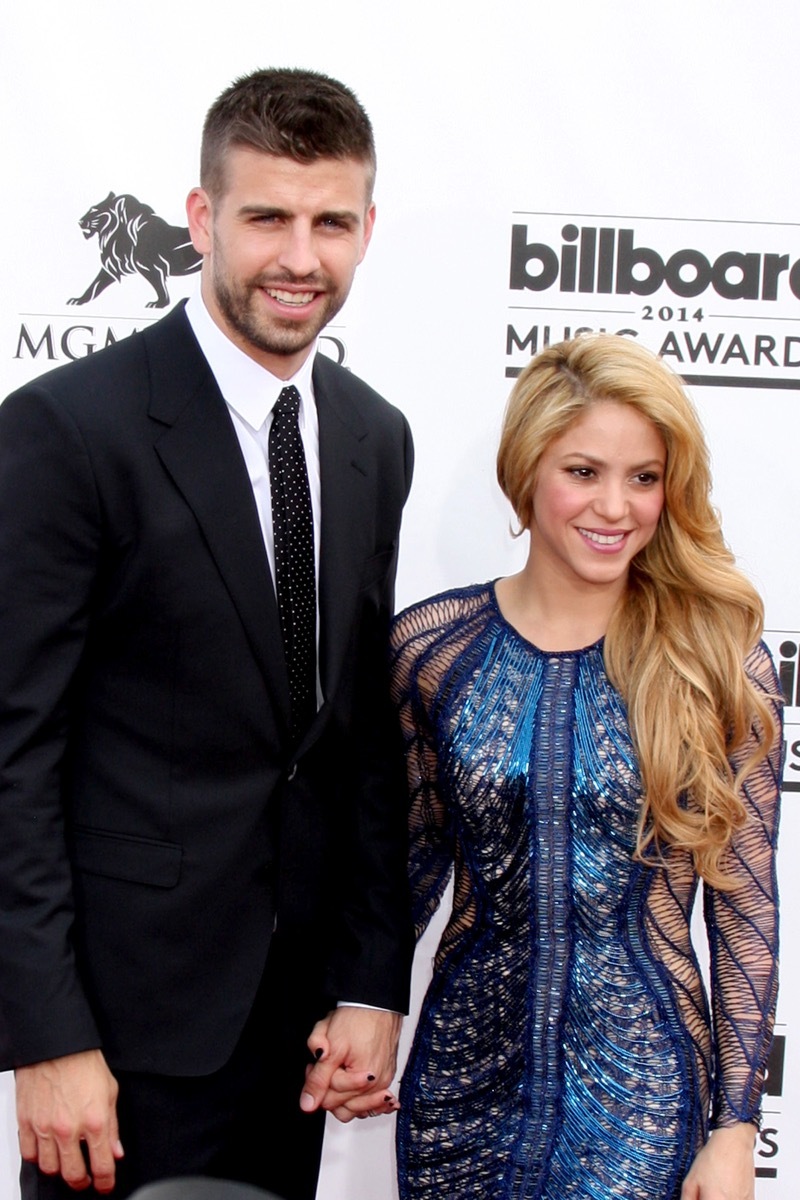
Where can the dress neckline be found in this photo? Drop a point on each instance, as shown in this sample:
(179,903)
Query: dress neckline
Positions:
(520,637)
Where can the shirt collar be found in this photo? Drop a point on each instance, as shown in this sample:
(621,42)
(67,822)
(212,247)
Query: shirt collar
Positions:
(248,388)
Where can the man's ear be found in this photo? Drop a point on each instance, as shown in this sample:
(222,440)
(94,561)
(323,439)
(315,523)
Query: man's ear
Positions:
(369,224)
(200,214)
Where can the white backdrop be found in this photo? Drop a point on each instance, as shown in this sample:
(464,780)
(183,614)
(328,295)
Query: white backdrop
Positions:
(672,122)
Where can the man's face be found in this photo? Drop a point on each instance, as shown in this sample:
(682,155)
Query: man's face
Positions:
(280,246)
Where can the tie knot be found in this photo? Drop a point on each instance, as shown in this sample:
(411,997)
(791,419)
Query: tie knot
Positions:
(288,403)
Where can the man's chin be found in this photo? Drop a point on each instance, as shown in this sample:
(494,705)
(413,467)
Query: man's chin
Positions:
(282,341)
(281,337)
(287,335)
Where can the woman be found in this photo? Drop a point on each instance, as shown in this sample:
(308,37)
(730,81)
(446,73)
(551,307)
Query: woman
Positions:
(586,740)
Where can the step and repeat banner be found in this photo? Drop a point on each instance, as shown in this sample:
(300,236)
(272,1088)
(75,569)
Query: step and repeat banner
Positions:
(542,169)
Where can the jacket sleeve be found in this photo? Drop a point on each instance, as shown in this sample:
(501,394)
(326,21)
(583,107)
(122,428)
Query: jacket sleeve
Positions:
(50,527)
(371,962)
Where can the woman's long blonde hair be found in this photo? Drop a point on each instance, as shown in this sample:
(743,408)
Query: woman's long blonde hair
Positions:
(677,640)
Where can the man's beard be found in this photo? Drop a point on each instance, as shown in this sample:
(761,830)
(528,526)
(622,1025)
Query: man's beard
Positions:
(239,306)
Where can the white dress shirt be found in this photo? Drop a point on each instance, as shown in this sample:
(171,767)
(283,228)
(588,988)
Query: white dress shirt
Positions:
(251,392)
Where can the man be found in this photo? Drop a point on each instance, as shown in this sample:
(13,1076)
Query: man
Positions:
(201,819)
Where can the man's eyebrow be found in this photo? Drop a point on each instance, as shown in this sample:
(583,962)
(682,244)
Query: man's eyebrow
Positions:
(338,214)
(263,210)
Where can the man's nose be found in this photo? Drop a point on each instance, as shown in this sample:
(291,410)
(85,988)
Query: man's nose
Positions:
(298,253)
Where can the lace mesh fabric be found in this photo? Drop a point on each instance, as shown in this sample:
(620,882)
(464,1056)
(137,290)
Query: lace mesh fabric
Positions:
(565,1046)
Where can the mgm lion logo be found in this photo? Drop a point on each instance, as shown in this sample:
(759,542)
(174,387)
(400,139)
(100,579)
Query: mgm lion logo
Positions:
(132,238)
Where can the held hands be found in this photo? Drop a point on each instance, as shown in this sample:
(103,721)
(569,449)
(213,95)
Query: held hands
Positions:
(356,1053)
(62,1103)
(723,1169)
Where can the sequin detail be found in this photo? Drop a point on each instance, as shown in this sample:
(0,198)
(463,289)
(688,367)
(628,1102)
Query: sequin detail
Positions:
(564,1049)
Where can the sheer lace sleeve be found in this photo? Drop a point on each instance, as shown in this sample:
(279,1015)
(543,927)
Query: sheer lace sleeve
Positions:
(414,683)
(743,934)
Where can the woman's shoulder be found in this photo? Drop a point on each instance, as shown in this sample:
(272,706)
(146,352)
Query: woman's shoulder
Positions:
(437,615)
(760,669)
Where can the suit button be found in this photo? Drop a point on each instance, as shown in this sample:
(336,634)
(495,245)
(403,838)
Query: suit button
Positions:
(292,772)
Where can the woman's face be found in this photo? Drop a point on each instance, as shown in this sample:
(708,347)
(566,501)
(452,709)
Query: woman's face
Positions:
(598,496)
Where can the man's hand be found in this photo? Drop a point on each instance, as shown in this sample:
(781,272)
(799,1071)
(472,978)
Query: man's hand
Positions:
(61,1103)
(356,1052)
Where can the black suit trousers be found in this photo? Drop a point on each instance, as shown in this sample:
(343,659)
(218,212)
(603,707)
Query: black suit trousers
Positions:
(243,1122)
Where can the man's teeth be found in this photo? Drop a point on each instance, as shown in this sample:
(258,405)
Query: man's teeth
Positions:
(296,298)
(603,539)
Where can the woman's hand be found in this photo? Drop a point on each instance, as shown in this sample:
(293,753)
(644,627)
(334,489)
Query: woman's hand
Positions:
(723,1170)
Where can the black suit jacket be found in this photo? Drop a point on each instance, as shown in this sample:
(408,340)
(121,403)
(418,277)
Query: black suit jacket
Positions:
(154,821)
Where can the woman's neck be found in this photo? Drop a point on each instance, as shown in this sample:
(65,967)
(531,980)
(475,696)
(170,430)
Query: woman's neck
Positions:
(556,614)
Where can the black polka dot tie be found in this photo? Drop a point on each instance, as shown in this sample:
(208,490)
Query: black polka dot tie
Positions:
(293,529)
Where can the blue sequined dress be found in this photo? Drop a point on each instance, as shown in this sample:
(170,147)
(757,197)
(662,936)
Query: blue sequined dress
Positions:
(565,1046)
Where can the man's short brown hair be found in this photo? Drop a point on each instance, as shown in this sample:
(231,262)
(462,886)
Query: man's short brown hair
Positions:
(288,112)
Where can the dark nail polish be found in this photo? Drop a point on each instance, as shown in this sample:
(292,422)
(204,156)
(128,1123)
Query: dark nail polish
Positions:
(370,1079)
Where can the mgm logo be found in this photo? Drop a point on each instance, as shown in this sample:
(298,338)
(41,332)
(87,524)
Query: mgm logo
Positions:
(132,239)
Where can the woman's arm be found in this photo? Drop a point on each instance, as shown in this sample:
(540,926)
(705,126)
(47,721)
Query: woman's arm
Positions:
(742,925)
(430,835)
(742,928)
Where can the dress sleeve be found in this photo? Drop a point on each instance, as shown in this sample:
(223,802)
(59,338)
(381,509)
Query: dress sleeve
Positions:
(430,826)
(743,931)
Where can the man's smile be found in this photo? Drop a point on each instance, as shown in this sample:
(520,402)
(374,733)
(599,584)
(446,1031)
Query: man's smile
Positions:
(296,299)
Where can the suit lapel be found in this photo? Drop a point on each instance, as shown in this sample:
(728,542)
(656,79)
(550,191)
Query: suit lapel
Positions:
(200,450)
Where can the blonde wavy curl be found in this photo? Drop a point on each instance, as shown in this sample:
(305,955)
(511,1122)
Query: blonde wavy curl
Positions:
(677,641)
